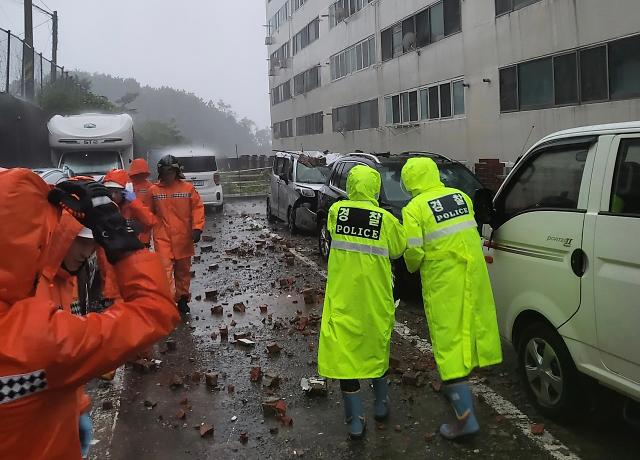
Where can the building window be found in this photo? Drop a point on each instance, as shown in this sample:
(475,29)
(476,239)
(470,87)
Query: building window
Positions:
(306,36)
(363,115)
(593,74)
(297,4)
(605,72)
(535,84)
(281,16)
(437,101)
(507,6)
(565,77)
(310,124)
(624,68)
(342,9)
(306,81)
(357,57)
(283,129)
(280,57)
(425,27)
(281,93)
(458,97)
(509,89)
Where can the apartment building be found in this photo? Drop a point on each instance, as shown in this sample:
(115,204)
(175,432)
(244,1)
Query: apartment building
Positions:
(466,78)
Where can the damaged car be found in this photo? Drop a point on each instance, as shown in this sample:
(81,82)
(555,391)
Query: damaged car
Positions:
(296,178)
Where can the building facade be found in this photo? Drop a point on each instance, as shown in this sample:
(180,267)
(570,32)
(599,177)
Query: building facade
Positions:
(466,78)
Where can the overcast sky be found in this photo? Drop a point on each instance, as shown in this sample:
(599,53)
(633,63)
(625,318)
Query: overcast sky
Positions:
(213,48)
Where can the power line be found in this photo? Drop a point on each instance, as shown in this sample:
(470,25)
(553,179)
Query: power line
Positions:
(42,23)
(46,6)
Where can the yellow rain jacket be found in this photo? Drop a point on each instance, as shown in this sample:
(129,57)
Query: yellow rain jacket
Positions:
(443,242)
(359,311)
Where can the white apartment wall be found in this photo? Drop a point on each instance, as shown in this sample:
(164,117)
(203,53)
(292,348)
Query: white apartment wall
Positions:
(485,44)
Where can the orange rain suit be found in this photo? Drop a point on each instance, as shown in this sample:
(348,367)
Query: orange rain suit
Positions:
(179,211)
(58,285)
(139,173)
(47,353)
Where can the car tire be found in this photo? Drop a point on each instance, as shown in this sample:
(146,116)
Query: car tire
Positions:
(549,374)
(219,209)
(324,240)
(270,216)
(291,221)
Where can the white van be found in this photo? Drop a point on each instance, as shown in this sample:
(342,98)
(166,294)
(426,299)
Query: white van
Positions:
(564,258)
(199,167)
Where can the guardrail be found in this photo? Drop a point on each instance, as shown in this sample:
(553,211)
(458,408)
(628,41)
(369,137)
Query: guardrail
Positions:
(245,183)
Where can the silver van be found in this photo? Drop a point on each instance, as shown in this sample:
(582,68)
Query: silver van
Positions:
(296,178)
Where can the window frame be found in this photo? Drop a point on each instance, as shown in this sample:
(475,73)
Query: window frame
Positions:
(606,62)
(620,143)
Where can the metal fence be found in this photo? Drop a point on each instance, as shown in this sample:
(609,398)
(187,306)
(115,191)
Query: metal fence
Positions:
(245,183)
(13,71)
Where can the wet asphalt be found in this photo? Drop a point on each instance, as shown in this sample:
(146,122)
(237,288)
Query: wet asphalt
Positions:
(158,415)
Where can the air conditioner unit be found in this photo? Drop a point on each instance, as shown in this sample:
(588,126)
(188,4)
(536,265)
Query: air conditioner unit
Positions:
(268,41)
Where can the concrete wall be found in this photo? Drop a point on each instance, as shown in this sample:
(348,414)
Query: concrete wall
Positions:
(24,138)
(485,44)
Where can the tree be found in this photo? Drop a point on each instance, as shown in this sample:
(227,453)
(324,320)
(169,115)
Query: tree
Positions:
(72,95)
(154,134)
(126,100)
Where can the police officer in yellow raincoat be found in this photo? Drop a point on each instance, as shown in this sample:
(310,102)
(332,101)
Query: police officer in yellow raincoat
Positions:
(443,243)
(359,311)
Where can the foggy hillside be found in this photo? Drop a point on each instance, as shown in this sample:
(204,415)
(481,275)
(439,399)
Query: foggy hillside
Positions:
(201,122)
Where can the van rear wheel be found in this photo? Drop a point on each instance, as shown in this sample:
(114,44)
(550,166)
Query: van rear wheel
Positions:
(549,373)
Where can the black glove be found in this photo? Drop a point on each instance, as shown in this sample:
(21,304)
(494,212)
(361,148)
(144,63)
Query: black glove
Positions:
(89,202)
(196,234)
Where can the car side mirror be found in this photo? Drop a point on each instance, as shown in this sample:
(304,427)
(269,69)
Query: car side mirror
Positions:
(483,206)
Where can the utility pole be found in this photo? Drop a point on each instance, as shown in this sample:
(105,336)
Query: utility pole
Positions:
(54,39)
(27,51)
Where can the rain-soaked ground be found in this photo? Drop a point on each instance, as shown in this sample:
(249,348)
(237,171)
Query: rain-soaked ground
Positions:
(160,414)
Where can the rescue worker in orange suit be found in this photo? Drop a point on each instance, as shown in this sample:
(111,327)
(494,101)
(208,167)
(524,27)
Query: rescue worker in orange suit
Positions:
(139,217)
(47,353)
(180,215)
(71,245)
(139,174)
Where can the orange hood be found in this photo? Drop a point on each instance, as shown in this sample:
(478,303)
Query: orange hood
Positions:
(28,221)
(139,166)
(63,237)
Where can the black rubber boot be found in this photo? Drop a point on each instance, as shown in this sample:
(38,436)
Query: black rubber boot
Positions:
(183,306)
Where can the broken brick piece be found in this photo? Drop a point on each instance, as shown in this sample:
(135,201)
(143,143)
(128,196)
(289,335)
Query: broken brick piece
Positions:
(206,430)
(273,348)
(224,331)
(244,437)
(286,282)
(211,378)
(302,323)
(233,323)
(196,376)
(537,429)
(263,308)
(171,345)
(410,378)
(204,249)
(198,298)
(436,386)
(286,420)
(207,238)
(211,295)
(270,381)
(192,273)
(255,374)
(217,310)
(176,382)
(240,307)
(274,406)
(181,414)
(107,405)
(213,267)
(309,296)
(197,259)
(241,335)
(231,388)
(143,366)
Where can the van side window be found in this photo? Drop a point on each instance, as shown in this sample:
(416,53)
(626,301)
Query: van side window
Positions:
(277,166)
(286,166)
(335,177)
(625,193)
(550,180)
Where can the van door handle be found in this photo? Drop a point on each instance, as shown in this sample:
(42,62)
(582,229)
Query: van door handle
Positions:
(579,262)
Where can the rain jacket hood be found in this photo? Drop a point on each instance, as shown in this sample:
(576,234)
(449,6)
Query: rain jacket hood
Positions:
(28,220)
(139,166)
(420,175)
(363,184)
(63,237)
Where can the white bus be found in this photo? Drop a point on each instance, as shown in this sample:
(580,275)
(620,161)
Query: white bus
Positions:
(91,144)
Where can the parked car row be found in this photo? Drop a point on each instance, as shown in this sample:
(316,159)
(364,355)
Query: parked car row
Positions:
(559,243)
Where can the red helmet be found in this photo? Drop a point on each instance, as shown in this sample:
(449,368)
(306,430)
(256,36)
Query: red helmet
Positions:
(116,178)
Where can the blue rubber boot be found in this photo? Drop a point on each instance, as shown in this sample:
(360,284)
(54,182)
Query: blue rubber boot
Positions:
(381,405)
(354,413)
(466,424)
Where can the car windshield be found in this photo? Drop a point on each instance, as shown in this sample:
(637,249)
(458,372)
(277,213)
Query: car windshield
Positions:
(312,175)
(91,163)
(198,164)
(451,174)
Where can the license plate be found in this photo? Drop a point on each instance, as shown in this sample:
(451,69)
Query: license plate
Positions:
(198,183)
